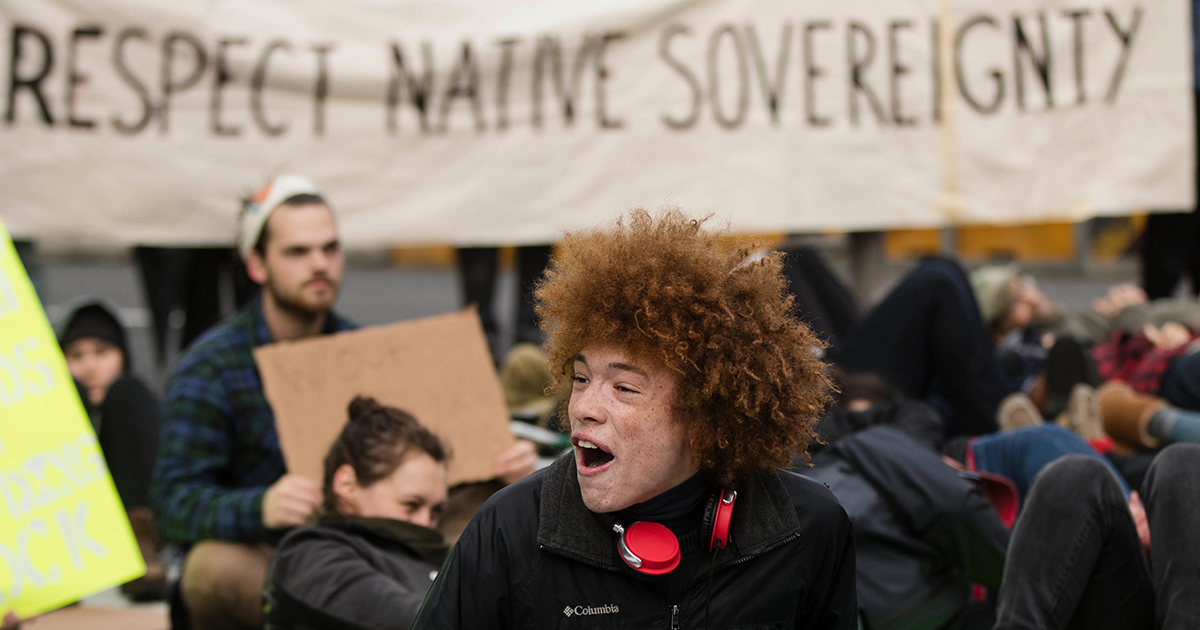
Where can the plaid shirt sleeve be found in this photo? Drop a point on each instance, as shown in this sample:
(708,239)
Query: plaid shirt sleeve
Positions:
(1134,359)
(190,501)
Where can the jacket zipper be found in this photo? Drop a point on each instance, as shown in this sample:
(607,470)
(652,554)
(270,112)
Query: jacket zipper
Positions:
(675,609)
(580,559)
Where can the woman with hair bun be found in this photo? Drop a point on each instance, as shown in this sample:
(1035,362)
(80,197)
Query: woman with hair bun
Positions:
(372,554)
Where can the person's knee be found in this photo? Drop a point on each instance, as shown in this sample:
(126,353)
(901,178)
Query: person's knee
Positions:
(217,575)
(938,272)
(1174,464)
(1072,474)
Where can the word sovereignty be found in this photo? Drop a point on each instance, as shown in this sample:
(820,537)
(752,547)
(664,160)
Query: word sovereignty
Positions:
(815,73)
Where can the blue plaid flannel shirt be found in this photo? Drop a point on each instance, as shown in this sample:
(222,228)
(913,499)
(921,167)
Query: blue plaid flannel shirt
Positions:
(218,452)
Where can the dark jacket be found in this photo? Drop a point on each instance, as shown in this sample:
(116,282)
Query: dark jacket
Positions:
(351,574)
(923,535)
(535,557)
(126,421)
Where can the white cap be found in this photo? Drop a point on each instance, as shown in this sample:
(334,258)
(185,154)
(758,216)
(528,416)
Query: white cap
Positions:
(255,215)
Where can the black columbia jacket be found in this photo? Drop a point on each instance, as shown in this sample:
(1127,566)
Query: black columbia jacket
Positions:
(535,557)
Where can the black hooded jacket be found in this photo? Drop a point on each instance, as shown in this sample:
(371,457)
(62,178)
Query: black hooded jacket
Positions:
(923,534)
(535,557)
(126,421)
(351,574)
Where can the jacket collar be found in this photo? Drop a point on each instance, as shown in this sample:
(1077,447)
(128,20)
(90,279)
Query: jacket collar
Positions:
(763,516)
(424,543)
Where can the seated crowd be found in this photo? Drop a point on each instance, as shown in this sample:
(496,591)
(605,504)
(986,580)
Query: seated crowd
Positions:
(1004,463)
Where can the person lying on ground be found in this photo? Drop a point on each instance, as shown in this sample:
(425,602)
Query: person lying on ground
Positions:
(928,338)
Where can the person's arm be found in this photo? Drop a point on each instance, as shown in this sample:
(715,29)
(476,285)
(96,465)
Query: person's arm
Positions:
(472,589)
(189,498)
(330,578)
(832,603)
(973,539)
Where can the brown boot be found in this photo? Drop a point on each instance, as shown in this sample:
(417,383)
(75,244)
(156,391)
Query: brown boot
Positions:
(153,585)
(1126,413)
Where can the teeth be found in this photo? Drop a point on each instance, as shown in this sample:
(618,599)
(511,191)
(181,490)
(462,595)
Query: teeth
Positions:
(587,444)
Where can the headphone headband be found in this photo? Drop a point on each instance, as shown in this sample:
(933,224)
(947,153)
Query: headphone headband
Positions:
(652,549)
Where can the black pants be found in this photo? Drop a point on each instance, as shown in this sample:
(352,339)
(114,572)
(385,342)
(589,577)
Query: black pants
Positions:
(822,301)
(1170,251)
(927,337)
(1075,560)
(192,279)
(477,276)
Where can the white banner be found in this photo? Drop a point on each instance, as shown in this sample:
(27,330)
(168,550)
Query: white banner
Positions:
(507,121)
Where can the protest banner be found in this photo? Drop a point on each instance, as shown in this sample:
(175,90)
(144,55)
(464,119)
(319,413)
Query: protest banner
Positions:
(507,121)
(436,368)
(63,532)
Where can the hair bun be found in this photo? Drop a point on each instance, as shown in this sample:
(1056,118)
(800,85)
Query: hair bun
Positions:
(362,407)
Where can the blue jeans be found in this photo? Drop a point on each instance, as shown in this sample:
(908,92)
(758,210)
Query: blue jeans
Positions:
(1020,454)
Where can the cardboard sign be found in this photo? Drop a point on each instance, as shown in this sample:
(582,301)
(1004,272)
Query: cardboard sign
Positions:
(63,532)
(437,368)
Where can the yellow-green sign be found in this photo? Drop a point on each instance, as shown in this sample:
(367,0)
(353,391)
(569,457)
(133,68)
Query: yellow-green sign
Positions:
(63,532)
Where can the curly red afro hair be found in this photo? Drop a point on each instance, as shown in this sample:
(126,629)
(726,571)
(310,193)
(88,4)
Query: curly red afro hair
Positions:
(751,386)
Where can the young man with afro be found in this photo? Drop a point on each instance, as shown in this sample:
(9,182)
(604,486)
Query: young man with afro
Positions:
(688,382)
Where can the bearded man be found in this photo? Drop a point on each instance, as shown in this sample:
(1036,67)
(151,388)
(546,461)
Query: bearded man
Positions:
(688,383)
(220,483)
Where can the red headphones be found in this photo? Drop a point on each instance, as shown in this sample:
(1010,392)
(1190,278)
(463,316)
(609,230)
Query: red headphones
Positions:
(652,549)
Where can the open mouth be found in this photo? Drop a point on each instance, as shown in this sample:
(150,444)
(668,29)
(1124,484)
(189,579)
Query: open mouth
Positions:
(593,456)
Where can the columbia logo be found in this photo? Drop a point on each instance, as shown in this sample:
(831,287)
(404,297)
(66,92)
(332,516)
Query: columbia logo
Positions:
(606,609)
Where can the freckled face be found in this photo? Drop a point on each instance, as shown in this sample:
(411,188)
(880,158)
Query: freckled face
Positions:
(629,447)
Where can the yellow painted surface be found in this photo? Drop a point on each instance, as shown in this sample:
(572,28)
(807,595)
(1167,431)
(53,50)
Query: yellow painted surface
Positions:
(63,532)
(1041,241)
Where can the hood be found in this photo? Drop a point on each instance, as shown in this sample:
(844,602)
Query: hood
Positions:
(93,316)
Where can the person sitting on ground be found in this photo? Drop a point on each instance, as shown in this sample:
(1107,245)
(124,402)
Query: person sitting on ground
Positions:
(1086,555)
(368,561)
(220,484)
(124,414)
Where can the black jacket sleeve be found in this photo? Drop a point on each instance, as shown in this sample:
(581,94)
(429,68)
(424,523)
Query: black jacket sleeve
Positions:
(473,588)
(832,604)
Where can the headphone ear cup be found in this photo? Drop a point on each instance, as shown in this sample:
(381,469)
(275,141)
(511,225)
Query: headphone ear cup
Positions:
(710,517)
